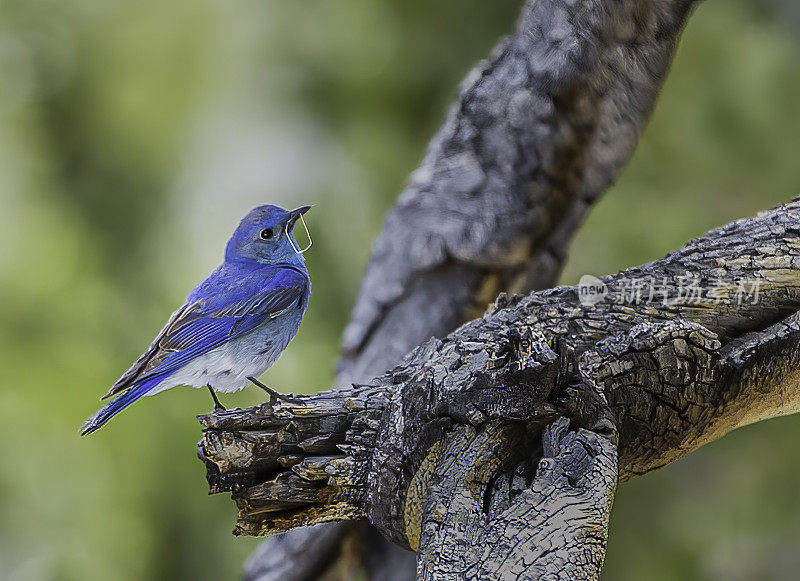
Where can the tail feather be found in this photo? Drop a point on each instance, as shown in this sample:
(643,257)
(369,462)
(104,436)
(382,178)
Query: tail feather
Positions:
(117,405)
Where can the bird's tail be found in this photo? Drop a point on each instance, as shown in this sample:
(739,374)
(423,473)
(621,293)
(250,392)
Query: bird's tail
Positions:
(118,404)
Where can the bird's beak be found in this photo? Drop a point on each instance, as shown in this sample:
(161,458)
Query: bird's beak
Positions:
(295,214)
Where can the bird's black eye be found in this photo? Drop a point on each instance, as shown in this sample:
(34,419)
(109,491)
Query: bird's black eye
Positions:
(266,234)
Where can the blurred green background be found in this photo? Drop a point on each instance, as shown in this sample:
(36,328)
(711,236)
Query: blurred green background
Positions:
(134,135)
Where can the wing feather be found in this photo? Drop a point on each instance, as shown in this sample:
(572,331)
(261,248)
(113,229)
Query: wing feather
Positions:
(157,351)
(197,328)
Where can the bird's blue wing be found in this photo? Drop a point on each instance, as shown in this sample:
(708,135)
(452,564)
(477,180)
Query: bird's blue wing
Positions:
(206,322)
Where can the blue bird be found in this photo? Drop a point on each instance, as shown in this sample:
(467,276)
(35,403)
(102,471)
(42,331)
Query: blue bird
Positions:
(234,325)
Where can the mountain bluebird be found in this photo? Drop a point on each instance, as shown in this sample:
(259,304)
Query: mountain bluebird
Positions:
(234,325)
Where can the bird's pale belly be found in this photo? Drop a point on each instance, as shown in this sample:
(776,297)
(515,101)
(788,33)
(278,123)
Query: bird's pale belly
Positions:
(227,368)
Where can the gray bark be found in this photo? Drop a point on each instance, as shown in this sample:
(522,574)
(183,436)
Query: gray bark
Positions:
(495,451)
(536,135)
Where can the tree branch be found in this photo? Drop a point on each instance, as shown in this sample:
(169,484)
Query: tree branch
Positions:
(470,432)
(536,135)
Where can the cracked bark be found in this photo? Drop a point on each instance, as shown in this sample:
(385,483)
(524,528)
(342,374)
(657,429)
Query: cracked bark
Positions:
(495,451)
(536,135)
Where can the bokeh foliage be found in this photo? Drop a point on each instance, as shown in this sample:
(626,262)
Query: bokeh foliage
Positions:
(133,135)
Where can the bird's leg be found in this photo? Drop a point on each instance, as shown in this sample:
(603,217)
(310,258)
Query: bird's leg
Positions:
(218,407)
(274,395)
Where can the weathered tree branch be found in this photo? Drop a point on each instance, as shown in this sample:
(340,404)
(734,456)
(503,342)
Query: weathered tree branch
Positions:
(537,134)
(522,421)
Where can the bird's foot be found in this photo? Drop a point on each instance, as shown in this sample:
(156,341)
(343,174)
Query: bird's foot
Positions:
(218,407)
(274,396)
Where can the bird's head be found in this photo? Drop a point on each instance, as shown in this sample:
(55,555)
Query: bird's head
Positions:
(266,235)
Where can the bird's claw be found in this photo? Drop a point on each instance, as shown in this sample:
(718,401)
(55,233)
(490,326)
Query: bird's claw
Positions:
(274,396)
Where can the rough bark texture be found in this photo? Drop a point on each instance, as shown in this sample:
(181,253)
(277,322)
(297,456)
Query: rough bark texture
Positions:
(536,135)
(495,451)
